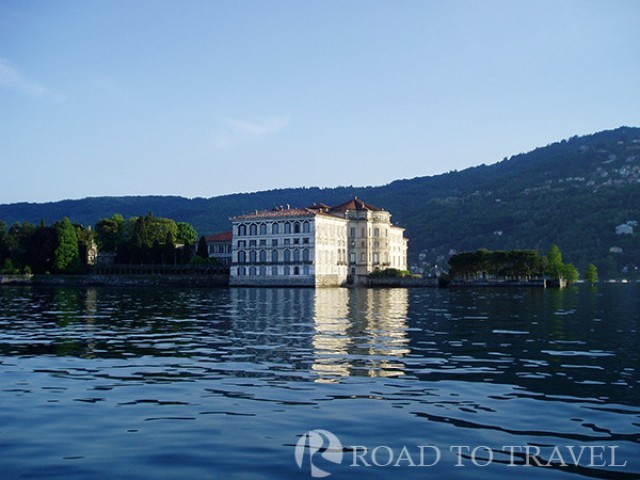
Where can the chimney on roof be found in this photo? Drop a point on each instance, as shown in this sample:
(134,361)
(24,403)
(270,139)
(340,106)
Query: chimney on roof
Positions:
(288,207)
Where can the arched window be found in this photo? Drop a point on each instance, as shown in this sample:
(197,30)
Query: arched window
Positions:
(287,270)
(242,256)
(263,270)
(253,229)
(305,255)
(305,270)
(274,256)
(287,255)
(287,227)
(296,255)
(275,229)
(252,271)
(263,256)
(263,229)
(274,271)
(296,270)
(306,228)
(252,256)
(242,230)
(296,227)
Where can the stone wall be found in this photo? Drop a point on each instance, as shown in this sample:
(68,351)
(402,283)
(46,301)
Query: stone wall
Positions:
(401,282)
(271,281)
(119,280)
(331,280)
(15,279)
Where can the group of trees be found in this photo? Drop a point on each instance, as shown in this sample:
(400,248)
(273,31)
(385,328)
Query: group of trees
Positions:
(58,248)
(63,246)
(509,264)
(516,264)
(149,240)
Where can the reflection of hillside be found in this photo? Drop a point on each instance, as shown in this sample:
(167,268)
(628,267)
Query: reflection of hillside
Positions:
(360,332)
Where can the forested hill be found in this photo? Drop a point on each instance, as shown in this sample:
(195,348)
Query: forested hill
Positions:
(573,193)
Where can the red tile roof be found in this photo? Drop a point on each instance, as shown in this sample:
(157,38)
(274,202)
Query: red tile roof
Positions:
(220,237)
(315,209)
(356,204)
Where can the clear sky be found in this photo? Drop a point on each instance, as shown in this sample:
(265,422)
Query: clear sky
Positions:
(205,97)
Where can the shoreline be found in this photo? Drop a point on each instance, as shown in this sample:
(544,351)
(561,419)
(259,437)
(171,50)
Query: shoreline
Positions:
(200,280)
(117,280)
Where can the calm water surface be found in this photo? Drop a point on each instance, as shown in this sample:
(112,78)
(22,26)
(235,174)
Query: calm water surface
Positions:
(199,384)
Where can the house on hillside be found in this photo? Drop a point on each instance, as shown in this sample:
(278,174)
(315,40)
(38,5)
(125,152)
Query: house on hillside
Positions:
(624,229)
(315,246)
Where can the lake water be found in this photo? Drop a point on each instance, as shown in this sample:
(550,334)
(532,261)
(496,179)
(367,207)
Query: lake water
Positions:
(347,383)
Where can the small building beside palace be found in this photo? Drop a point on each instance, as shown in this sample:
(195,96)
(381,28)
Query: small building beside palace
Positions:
(219,247)
(315,246)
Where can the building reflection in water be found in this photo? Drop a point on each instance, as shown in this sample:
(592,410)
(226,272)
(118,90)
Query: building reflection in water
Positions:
(359,332)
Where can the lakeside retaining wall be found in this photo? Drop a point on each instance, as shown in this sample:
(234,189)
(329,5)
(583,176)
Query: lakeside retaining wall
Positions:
(195,280)
(402,282)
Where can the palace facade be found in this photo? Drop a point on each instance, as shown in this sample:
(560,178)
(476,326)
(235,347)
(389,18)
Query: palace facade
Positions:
(315,246)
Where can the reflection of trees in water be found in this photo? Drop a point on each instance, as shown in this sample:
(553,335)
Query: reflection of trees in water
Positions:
(360,332)
(113,322)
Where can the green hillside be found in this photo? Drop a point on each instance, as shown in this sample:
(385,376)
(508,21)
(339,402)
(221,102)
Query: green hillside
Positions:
(572,193)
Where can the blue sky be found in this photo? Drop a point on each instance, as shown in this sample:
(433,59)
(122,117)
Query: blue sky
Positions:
(204,98)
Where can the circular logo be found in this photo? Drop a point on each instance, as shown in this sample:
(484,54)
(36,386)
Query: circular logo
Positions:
(316,445)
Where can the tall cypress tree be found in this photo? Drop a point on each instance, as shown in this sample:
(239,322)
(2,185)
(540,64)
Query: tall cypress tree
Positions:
(66,255)
(203,248)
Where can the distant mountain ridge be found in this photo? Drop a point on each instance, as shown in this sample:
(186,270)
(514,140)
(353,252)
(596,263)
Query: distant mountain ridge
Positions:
(573,193)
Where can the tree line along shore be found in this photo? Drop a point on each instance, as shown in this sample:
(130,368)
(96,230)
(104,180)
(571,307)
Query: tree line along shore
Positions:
(68,248)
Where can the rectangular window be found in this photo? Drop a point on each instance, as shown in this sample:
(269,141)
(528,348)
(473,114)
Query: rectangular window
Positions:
(287,241)
(274,242)
(352,233)
(263,242)
(305,241)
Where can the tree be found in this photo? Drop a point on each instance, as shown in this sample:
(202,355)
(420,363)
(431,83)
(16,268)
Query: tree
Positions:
(513,263)
(145,235)
(203,248)
(4,245)
(187,235)
(554,262)
(7,267)
(592,274)
(41,249)
(110,233)
(169,250)
(570,273)
(17,240)
(66,255)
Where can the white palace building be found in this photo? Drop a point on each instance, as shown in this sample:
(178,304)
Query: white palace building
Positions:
(315,246)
